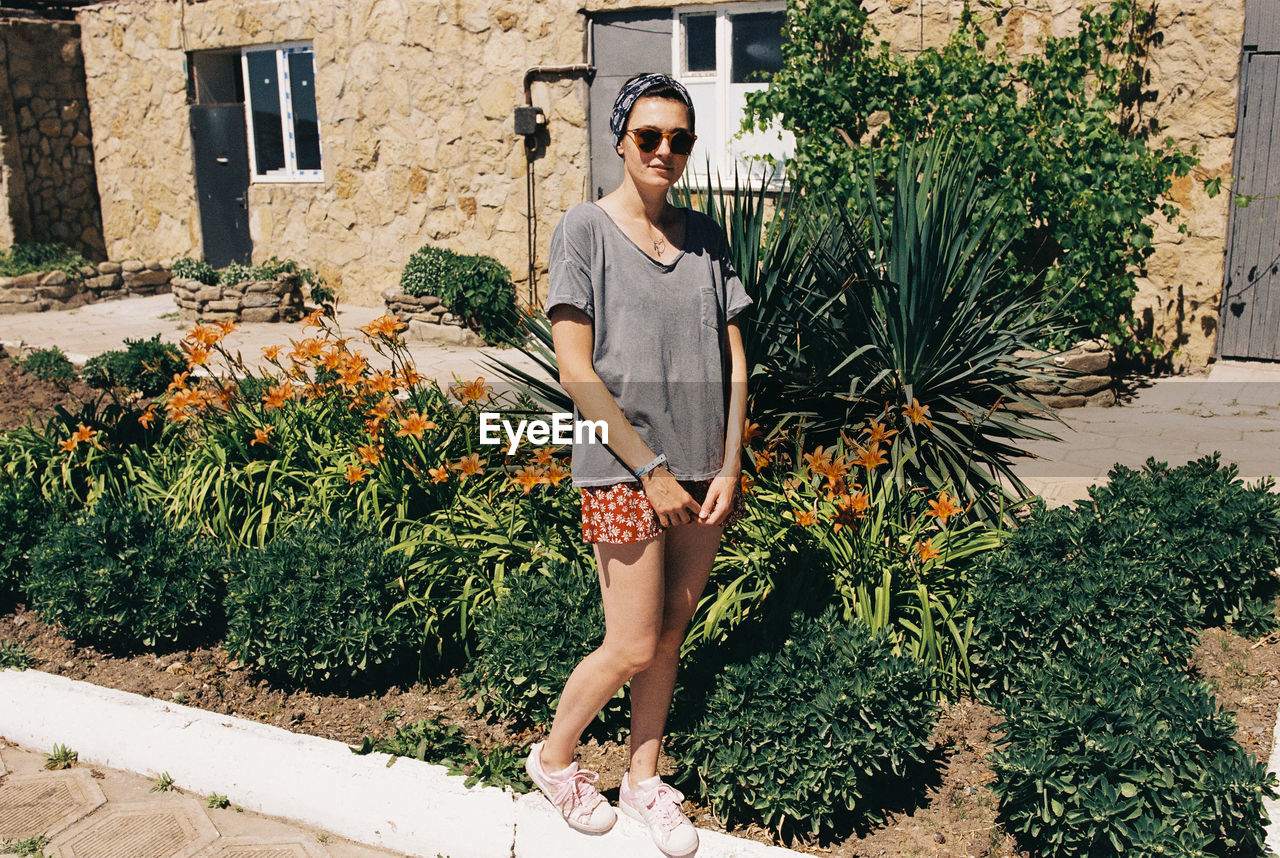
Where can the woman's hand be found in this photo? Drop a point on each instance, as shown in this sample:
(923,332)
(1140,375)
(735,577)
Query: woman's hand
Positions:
(668,498)
(719,502)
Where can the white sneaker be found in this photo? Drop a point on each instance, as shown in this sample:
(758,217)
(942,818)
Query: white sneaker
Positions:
(573,793)
(657,805)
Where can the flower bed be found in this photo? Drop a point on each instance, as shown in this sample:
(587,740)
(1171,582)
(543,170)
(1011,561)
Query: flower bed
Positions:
(38,291)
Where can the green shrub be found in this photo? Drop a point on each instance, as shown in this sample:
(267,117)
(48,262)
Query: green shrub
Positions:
(476,289)
(195,269)
(1064,580)
(120,577)
(41,256)
(49,364)
(310,608)
(146,366)
(22,518)
(1058,131)
(796,736)
(235,274)
(1222,536)
(14,655)
(1108,756)
(548,620)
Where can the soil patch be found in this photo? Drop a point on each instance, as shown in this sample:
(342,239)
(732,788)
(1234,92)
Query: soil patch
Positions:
(24,398)
(1245,677)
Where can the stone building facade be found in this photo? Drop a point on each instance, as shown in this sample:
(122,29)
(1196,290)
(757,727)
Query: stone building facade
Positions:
(48,190)
(414,106)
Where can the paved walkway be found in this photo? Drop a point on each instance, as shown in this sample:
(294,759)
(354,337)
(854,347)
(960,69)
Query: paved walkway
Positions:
(1235,409)
(92,810)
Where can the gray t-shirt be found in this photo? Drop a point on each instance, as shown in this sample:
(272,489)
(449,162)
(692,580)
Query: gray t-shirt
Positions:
(661,343)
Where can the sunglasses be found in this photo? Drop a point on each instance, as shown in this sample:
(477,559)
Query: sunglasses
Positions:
(649,139)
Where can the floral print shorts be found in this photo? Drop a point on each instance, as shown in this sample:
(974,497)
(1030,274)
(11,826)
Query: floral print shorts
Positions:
(622,513)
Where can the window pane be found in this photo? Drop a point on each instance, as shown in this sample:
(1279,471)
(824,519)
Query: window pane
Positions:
(302,92)
(757,45)
(264,104)
(699,43)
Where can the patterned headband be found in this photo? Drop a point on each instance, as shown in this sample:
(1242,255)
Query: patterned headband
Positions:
(633,90)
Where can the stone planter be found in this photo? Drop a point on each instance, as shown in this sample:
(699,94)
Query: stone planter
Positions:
(54,290)
(1081,375)
(428,320)
(278,300)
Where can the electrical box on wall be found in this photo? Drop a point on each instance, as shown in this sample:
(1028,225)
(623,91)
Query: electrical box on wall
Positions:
(529,120)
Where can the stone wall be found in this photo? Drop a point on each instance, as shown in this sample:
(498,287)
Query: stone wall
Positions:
(55,290)
(415,101)
(428,320)
(278,300)
(49,189)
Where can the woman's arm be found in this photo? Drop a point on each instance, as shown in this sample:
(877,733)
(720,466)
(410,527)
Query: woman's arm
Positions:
(571,334)
(715,509)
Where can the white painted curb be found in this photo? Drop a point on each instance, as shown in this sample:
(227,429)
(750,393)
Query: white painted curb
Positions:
(1273,806)
(411,807)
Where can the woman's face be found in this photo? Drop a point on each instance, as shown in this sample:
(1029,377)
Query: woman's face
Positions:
(660,168)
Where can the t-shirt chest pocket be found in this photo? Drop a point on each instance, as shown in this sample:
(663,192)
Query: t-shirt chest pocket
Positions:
(709,305)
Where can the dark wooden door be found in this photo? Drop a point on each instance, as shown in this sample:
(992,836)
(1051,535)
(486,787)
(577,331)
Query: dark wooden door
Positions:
(1250,311)
(221,152)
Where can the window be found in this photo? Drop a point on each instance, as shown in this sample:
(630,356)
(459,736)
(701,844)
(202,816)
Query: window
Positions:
(284,128)
(720,54)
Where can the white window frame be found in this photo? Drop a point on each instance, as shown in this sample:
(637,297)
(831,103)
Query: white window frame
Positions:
(726,127)
(290,172)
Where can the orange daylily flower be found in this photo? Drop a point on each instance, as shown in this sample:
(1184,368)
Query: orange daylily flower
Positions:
(414,424)
(276,396)
(196,355)
(471,465)
(927,551)
(227,326)
(332,358)
(383,409)
(474,391)
(818,461)
(370,453)
(556,473)
(763,458)
(803,517)
(83,433)
(384,326)
(877,432)
(917,413)
(747,482)
(355,474)
(750,432)
(439,475)
(69,444)
(312,319)
(373,426)
(260,436)
(382,382)
(870,457)
(409,377)
(308,349)
(271,353)
(844,517)
(527,477)
(944,507)
(860,503)
(147,417)
(205,335)
(544,455)
(179,381)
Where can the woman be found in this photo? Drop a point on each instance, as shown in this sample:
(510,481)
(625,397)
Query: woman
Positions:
(642,302)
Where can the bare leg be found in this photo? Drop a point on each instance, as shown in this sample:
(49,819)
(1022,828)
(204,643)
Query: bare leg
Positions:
(631,588)
(690,551)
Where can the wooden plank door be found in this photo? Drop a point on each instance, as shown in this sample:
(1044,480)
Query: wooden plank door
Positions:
(1250,309)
